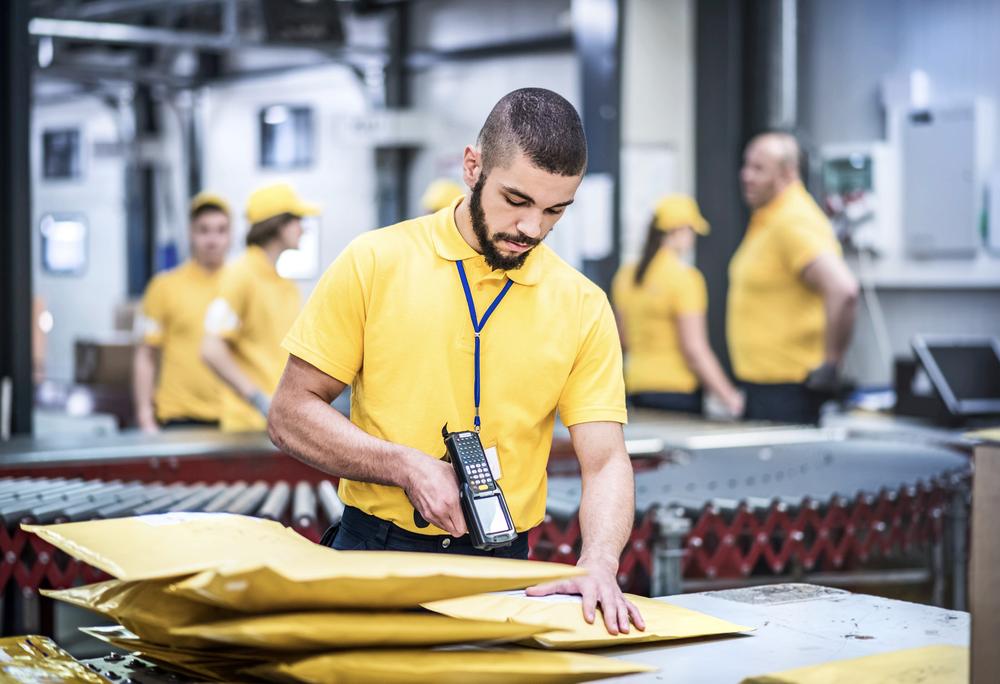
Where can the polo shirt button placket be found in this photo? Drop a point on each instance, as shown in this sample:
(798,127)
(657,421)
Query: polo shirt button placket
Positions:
(446,542)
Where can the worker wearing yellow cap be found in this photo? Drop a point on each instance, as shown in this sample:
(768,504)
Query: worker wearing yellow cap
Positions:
(171,384)
(661,304)
(440,194)
(255,307)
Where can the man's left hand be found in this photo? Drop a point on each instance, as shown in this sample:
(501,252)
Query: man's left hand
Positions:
(598,586)
(824,379)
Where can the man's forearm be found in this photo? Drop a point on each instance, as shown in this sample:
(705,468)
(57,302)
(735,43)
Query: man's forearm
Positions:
(144,384)
(217,356)
(607,512)
(841,312)
(314,432)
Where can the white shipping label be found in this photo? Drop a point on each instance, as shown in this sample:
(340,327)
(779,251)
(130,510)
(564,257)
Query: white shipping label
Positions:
(494,460)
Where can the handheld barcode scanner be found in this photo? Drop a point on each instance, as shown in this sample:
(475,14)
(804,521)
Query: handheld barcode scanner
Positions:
(483,505)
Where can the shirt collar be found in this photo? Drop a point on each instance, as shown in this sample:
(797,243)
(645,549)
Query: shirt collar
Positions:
(779,202)
(259,262)
(449,244)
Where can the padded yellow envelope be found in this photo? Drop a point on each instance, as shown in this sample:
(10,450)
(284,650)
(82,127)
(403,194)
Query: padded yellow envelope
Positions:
(255,565)
(442,667)
(173,544)
(663,620)
(325,631)
(37,659)
(364,580)
(142,607)
(218,665)
(927,665)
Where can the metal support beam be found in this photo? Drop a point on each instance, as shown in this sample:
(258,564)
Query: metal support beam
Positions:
(597,28)
(746,74)
(392,164)
(718,143)
(668,552)
(129,34)
(16,389)
(102,9)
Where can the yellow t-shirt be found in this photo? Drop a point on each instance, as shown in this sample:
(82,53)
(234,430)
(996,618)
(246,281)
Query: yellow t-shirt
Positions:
(172,319)
(254,310)
(775,323)
(670,288)
(389,317)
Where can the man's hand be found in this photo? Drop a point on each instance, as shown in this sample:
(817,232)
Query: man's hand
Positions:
(598,586)
(147,421)
(824,379)
(432,487)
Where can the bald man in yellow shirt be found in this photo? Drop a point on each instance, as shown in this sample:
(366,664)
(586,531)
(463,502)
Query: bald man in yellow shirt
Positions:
(464,318)
(792,300)
(171,384)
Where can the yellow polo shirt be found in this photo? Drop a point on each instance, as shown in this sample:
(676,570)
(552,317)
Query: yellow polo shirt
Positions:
(254,310)
(775,324)
(172,319)
(389,317)
(670,288)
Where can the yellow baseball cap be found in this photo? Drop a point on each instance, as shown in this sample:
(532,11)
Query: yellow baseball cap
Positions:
(279,198)
(209,198)
(677,211)
(440,194)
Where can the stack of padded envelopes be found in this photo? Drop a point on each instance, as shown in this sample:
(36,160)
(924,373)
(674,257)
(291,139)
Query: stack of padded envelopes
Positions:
(235,598)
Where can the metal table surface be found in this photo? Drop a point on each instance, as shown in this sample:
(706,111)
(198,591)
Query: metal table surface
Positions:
(797,625)
(789,472)
(70,449)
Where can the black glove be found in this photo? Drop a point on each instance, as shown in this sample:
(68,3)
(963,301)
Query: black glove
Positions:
(824,379)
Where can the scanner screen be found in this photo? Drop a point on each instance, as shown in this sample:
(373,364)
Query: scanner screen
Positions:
(491,513)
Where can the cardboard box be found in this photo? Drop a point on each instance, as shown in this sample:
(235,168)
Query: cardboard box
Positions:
(105,361)
(984,575)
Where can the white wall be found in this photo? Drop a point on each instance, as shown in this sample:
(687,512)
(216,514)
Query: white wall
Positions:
(658,103)
(81,306)
(342,175)
(847,48)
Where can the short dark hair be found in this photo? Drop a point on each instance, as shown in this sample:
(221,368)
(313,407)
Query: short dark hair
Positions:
(541,124)
(264,231)
(202,209)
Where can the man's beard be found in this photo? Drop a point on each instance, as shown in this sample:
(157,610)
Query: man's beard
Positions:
(494,259)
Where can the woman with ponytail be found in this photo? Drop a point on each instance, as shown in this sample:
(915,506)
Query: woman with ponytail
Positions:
(661,303)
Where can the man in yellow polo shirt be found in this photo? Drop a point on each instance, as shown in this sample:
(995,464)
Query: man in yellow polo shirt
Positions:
(255,307)
(792,300)
(393,317)
(171,385)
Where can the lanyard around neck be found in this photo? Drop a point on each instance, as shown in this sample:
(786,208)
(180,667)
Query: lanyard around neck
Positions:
(477,327)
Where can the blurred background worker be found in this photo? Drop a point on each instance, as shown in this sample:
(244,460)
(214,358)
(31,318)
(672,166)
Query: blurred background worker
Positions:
(661,303)
(171,384)
(245,324)
(440,194)
(792,299)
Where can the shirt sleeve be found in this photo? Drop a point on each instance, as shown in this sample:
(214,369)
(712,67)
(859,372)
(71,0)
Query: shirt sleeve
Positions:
(329,333)
(595,389)
(692,297)
(150,319)
(801,242)
(226,312)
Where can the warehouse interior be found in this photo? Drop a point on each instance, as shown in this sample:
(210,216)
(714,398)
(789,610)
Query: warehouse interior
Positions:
(741,371)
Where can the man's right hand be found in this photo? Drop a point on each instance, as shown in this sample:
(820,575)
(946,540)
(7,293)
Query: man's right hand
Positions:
(432,487)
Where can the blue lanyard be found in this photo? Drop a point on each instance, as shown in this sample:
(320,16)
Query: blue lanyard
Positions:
(477,326)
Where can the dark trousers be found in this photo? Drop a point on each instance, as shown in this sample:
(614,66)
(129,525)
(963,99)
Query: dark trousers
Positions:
(359,531)
(782,403)
(683,402)
(188,423)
